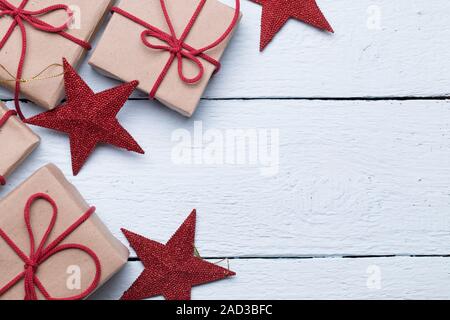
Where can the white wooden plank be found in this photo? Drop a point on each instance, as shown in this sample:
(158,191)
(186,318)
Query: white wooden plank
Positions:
(378,278)
(354,178)
(380,48)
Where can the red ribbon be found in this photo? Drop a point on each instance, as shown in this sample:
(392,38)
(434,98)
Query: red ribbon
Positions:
(177,47)
(42,253)
(20,16)
(3,119)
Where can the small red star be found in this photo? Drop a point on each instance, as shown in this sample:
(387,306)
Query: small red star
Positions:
(89,118)
(277,12)
(171,270)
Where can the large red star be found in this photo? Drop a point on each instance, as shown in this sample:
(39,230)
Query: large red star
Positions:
(277,12)
(89,118)
(171,270)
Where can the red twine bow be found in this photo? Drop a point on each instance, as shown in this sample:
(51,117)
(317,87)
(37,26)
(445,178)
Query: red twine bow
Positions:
(43,253)
(177,47)
(20,16)
(3,119)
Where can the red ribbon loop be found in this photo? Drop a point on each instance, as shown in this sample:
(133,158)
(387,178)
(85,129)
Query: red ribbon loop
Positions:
(43,252)
(177,47)
(20,16)
(18,13)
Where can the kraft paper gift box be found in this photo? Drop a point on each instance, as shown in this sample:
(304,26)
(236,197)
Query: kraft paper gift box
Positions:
(17,141)
(61,272)
(122,55)
(44,49)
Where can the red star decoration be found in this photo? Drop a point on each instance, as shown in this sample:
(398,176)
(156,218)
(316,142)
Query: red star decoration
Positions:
(277,12)
(171,270)
(89,118)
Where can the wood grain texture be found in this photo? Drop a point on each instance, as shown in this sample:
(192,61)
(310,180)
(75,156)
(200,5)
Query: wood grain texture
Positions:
(395,57)
(354,178)
(381,278)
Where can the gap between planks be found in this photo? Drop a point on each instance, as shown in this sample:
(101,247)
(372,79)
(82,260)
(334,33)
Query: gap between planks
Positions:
(333,256)
(381,98)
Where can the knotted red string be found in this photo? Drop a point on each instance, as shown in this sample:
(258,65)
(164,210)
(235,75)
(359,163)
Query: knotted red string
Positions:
(177,47)
(3,119)
(43,253)
(20,16)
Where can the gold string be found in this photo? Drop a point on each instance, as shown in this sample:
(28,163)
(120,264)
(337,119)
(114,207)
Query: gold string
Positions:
(37,77)
(228,263)
(197,254)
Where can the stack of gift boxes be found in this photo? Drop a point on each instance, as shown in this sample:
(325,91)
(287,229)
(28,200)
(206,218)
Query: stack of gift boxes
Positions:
(46,205)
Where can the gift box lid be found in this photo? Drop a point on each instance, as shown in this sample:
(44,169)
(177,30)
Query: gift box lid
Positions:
(17,142)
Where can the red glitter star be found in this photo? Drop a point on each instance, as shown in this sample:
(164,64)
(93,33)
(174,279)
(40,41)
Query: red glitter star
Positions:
(89,118)
(171,270)
(277,12)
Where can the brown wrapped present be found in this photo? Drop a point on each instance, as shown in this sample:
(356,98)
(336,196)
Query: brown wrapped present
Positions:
(17,141)
(45,48)
(85,258)
(173,64)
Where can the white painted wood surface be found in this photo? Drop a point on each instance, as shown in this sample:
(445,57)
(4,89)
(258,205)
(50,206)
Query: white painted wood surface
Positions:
(380,278)
(355,177)
(404,55)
